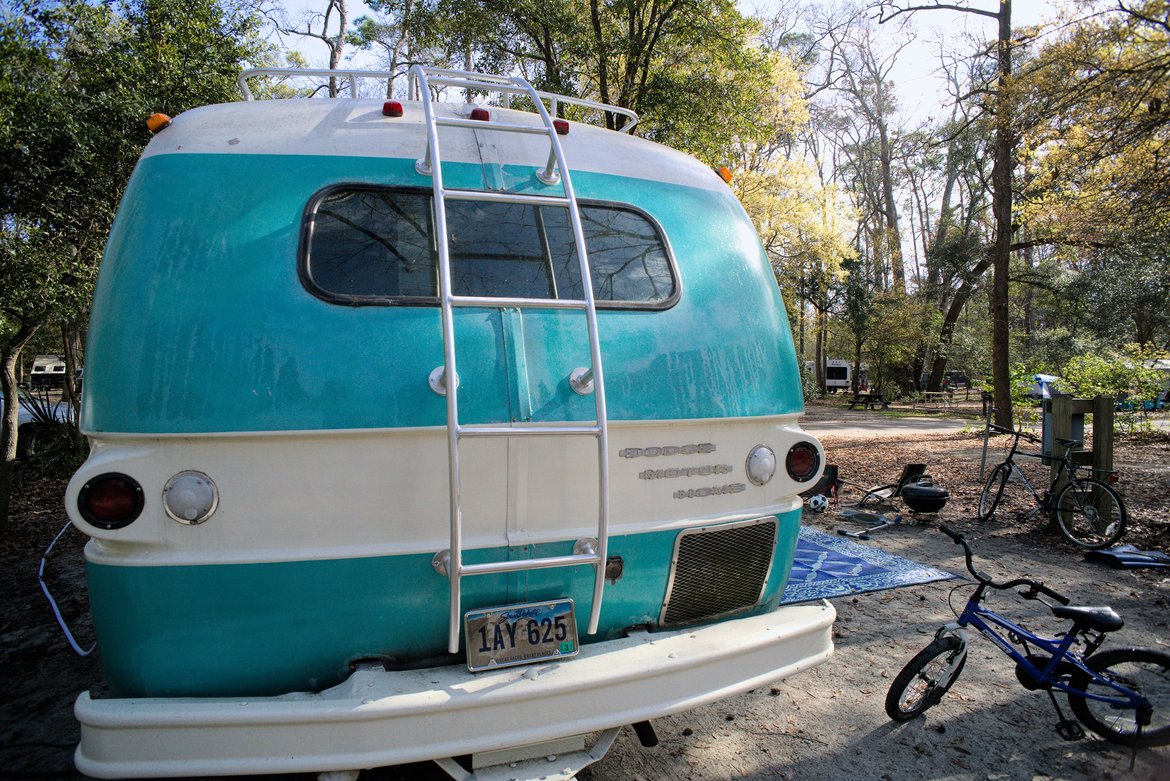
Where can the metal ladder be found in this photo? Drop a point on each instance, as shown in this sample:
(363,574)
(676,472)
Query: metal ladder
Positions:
(585,552)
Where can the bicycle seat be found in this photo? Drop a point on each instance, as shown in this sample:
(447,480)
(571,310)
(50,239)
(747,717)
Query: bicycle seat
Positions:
(1102,619)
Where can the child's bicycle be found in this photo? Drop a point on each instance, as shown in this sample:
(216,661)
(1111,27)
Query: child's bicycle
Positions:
(1122,694)
(1088,512)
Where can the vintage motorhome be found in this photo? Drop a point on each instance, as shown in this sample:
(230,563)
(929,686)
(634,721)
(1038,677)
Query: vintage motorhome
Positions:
(48,371)
(424,430)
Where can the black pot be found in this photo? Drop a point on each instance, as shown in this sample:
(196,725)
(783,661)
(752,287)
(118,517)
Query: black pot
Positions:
(925,497)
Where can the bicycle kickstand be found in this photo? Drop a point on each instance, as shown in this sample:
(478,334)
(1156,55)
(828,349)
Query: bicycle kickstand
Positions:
(1066,728)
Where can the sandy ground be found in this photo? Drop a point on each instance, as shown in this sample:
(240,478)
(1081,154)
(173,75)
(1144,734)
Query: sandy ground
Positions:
(827,723)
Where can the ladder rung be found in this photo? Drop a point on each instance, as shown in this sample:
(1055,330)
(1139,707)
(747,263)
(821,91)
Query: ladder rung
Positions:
(519,303)
(496,567)
(499,197)
(478,124)
(536,430)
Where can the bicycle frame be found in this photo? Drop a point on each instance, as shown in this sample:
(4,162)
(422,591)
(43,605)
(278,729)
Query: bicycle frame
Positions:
(1060,648)
(1067,467)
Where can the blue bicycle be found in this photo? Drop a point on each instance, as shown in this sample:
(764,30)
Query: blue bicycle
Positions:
(1122,694)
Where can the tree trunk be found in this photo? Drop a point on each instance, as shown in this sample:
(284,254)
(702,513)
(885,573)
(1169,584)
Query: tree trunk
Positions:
(820,354)
(893,237)
(71,339)
(947,332)
(856,383)
(1001,183)
(8,423)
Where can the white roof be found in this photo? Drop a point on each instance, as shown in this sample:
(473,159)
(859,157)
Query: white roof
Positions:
(357,128)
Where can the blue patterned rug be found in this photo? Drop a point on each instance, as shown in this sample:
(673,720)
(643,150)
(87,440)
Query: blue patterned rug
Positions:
(831,566)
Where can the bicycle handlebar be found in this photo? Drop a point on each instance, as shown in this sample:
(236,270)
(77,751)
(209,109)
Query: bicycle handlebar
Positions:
(1014,432)
(1035,587)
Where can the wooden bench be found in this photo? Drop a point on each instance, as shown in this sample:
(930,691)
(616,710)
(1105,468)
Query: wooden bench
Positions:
(869,401)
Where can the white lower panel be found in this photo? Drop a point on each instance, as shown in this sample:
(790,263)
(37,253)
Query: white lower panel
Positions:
(378,718)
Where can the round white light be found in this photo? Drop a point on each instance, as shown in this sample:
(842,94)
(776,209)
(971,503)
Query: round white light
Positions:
(761,464)
(190,497)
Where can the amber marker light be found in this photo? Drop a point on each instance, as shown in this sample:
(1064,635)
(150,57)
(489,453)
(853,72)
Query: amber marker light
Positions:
(158,122)
(725,174)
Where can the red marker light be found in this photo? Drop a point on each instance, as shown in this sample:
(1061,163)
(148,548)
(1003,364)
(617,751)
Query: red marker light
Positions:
(392,108)
(802,461)
(480,114)
(562,126)
(110,501)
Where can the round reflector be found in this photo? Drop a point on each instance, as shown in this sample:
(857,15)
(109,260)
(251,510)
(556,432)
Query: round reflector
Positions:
(110,501)
(190,497)
(802,461)
(761,464)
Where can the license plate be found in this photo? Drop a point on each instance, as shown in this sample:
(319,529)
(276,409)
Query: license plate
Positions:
(520,634)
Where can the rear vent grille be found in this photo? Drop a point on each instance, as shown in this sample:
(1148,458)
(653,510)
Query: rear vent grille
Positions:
(719,570)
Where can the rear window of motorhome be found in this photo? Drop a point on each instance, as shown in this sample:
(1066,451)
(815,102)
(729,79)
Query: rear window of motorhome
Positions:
(364,245)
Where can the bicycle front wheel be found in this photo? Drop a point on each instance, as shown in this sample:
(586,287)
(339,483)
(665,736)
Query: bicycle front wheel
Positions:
(993,491)
(1143,671)
(926,678)
(1089,513)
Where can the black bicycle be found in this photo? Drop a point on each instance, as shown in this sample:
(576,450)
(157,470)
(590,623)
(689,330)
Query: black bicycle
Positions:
(1122,694)
(1088,512)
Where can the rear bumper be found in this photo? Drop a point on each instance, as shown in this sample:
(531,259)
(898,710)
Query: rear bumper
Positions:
(378,718)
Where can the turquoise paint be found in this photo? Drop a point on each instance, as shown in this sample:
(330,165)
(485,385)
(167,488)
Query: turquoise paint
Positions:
(200,323)
(295,626)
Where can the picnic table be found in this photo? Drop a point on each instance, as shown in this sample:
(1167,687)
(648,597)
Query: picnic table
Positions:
(944,398)
(869,401)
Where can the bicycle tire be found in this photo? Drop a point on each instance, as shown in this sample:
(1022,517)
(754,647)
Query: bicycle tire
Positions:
(1147,672)
(1090,514)
(926,678)
(993,491)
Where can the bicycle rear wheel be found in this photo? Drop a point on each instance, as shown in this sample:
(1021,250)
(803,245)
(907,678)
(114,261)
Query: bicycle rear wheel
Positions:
(926,678)
(1089,513)
(993,491)
(1144,671)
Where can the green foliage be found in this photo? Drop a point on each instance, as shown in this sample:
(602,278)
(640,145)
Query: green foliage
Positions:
(51,444)
(1128,375)
(808,382)
(1025,407)
(691,68)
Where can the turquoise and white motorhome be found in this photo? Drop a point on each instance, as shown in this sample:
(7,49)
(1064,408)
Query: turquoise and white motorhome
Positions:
(424,430)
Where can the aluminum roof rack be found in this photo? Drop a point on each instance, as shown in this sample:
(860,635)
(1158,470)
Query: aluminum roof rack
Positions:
(454,78)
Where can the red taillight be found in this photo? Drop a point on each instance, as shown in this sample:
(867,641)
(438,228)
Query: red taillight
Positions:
(110,501)
(802,461)
(562,126)
(1113,478)
(392,108)
(480,114)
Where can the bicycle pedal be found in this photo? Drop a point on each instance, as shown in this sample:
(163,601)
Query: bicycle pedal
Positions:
(1070,730)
